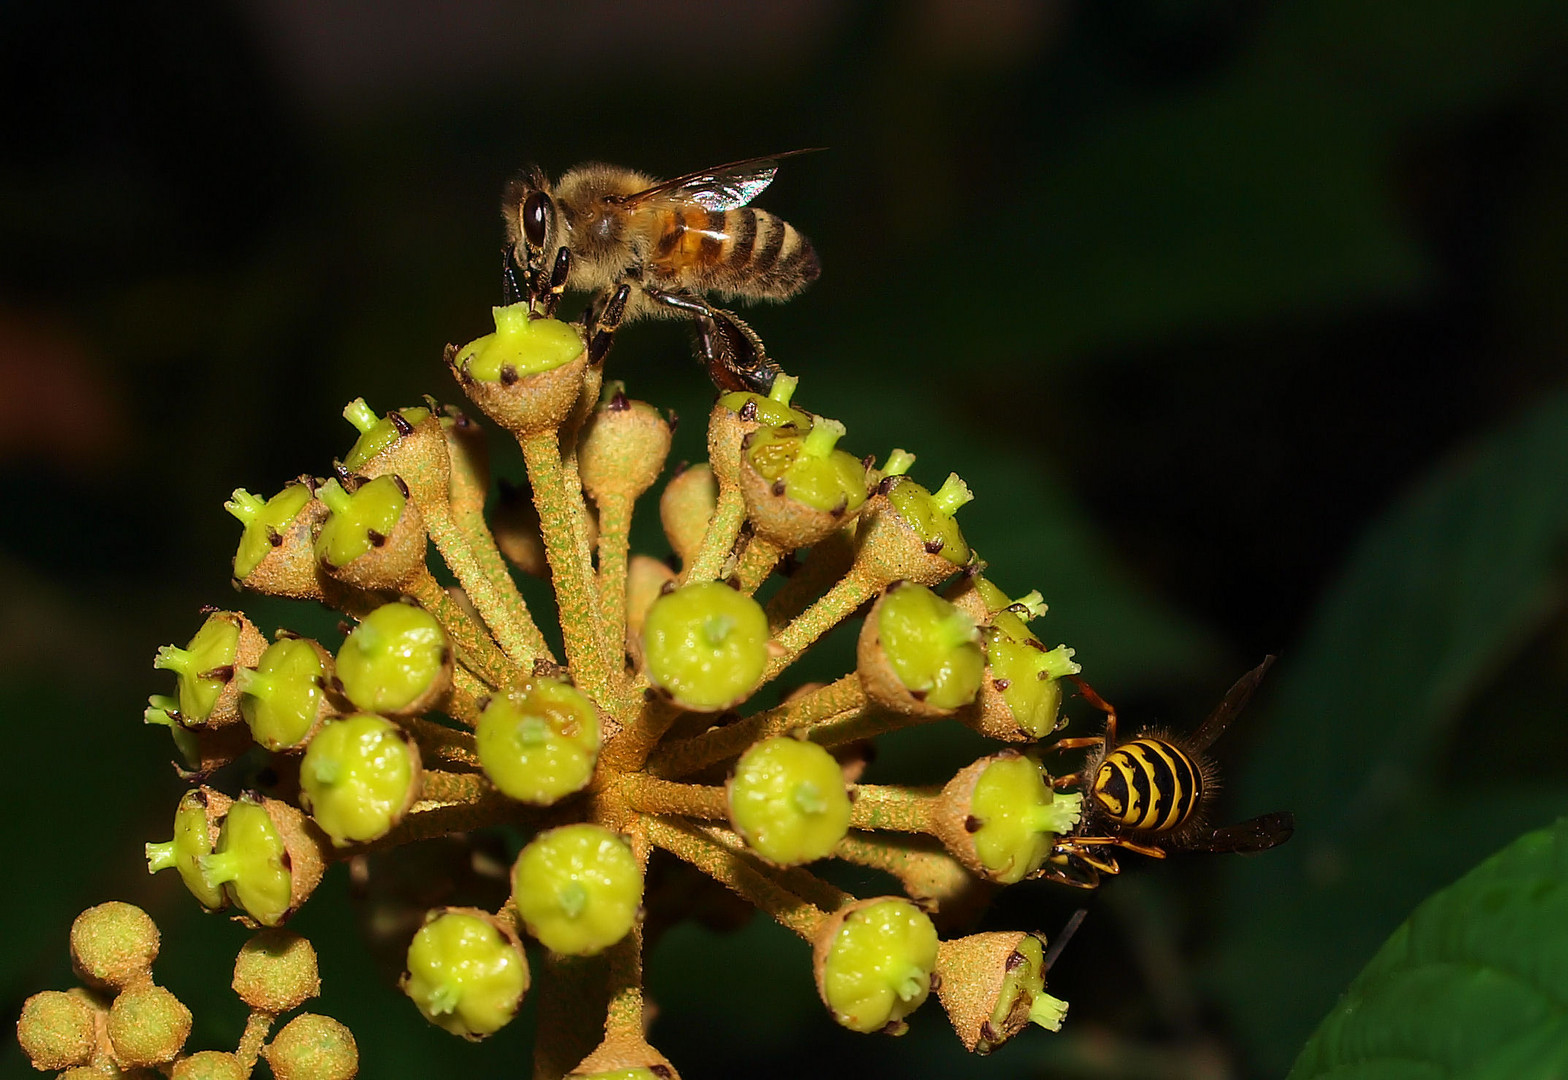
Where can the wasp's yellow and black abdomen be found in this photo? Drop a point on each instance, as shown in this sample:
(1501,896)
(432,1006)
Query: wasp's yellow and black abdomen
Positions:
(1148,785)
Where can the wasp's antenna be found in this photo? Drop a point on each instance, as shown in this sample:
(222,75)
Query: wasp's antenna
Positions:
(1073,923)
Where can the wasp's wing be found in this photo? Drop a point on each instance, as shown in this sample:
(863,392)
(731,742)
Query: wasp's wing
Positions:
(1235,700)
(723,187)
(1259,834)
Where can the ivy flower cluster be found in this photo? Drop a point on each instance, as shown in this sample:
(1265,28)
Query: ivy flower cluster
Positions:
(655,728)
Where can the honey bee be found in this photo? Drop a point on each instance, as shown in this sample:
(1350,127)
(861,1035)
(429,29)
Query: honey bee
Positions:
(655,249)
(1151,794)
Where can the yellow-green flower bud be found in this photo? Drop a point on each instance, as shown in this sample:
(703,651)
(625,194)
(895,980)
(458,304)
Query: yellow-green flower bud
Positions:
(266,522)
(196,824)
(268,859)
(312,1047)
(577,888)
(1001,816)
(147,1026)
(374,537)
(788,801)
(771,411)
(205,666)
(706,644)
(396,661)
(873,963)
(276,972)
(377,433)
(539,743)
(930,515)
(467,973)
(1025,673)
(358,778)
(113,945)
(57,1029)
(521,345)
(993,987)
(919,653)
(283,698)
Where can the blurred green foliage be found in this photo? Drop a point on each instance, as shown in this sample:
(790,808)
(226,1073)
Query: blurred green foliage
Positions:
(1244,320)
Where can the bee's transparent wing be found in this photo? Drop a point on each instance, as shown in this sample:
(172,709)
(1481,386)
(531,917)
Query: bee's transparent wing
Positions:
(722,187)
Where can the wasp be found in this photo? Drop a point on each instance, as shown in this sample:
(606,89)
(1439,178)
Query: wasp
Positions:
(657,249)
(1151,794)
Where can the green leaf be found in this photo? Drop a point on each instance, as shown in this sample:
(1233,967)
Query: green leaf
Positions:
(1449,585)
(1474,984)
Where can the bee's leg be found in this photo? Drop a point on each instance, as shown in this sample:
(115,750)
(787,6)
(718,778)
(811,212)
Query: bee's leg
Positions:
(511,291)
(1089,695)
(601,323)
(730,349)
(558,275)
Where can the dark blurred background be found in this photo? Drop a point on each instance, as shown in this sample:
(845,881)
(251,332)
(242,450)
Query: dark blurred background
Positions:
(1244,320)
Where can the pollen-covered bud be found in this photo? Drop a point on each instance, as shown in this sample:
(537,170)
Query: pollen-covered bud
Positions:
(706,644)
(993,986)
(873,961)
(527,375)
(312,1047)
(276,972)
(197,822)
(113,945)
(515,526)
(205,749)
(208,694)
(408,443)
(788,801)
(58,1029)
(396,662)
(905,532)
(646,580)
(283,698)
(374,537)
(467,972)
(1022,694)
(919,654)
(622,447)
(147,1026)
(269,858)
(1000,816)
(738,414)
(798,488)
(539,743)
(274,554)
(686,506)
(578,889)
(209,1065)
(624,1056)
(358,778)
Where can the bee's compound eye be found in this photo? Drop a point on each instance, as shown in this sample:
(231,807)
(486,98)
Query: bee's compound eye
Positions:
(536,218)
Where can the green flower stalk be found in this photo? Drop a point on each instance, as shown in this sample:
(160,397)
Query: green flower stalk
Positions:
(643,727)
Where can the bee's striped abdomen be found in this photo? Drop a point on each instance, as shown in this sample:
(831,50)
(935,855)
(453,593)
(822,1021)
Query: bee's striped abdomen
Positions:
(1149,785)
(745,252)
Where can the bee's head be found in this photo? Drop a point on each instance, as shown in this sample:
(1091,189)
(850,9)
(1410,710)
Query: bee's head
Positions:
(530,216)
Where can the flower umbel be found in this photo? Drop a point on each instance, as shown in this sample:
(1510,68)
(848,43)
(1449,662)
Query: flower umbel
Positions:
(447,710)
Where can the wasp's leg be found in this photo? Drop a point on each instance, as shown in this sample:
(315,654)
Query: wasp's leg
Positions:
(1088,693)
(1066,870)
(1076,744)
(602,319)
(1059,783)
(1078,845)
